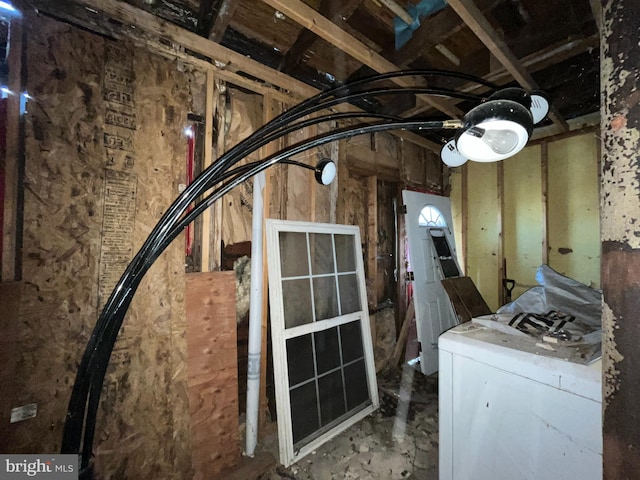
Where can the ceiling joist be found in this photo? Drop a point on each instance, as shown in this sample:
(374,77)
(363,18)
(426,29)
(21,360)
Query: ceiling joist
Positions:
(323,27)
(478,23)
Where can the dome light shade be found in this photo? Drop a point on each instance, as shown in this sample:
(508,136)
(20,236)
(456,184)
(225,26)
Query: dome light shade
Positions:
(495,130)
(325,172)
(451,156)
(539,106)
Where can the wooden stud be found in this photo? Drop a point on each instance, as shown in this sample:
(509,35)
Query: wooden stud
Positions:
(306,16)
(464,207)
(478,23)
(12,187)
(268,112)
(225,12)
(230,62)
(502,272)
(372,236)
(544,165)
(206,259)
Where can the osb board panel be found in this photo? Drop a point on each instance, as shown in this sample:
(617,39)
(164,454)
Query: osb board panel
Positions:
(10,346)
(212,372)
(72,136)
(523,218)
(483,230)
(243,117)
(573,213)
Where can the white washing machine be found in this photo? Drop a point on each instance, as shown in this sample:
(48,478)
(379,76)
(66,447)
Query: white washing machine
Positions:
(510,411)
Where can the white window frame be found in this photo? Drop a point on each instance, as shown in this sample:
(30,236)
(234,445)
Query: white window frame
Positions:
(280,334)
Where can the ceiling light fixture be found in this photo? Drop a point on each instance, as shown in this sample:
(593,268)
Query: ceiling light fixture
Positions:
(497,128)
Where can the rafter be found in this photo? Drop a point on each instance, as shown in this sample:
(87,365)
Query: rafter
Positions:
(334,10)
(478,23)
(323,27)
(533,63)
(225,12)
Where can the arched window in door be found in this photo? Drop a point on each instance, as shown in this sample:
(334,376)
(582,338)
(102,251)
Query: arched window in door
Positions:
(430,216)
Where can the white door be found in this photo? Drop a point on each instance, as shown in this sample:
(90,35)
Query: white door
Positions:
(432,257)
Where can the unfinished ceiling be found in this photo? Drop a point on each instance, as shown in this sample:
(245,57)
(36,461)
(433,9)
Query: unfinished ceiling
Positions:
(537,44)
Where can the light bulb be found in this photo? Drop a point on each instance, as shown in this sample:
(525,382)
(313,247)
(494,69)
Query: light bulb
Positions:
(501,141)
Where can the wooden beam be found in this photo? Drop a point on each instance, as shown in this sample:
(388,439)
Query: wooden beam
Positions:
(220,24)
(398,10)
(11,228)
(323,27)
(431,32)
(502,261)
(533,63)
(478,23)
(544,190)
(464,208)
(334,10)
(207,257)
(226,60)
(372,237)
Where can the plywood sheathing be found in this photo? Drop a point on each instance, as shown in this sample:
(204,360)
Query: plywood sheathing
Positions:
(212,372)
(620,237)
(142,429)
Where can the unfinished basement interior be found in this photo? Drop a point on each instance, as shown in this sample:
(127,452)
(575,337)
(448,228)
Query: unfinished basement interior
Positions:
(320,239)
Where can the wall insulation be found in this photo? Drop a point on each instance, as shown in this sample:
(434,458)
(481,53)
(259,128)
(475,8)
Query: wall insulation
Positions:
(105,153)
(545,198)
(523,219)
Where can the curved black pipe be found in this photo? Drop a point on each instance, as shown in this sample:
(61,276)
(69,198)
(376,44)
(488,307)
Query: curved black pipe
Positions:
(81,414)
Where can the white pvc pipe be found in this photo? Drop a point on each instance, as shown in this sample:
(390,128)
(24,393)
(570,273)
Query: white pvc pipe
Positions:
(255,318)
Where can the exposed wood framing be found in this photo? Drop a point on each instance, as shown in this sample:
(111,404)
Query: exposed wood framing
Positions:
(502,273)
(225,59)
(464,208)
(208,256)
(323,27)
(398,10)
(372,237)
(220,24)
(478,23)
(334,10)
(544,194)
(430,33)
(533,63)
(218,147)
(12,161)
(268,113)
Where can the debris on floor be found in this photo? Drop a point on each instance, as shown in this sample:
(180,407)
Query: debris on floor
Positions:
(398,441)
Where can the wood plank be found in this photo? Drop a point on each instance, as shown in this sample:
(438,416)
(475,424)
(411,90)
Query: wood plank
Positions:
(478,23)
(334,10)
(500,213)
(466,299)
(323,27)
(12,184)
(372,237)
(544,165)
(207,252)
(464,208)
(212,373)
(269,112)
(402,337)
(225,12)
(229,63)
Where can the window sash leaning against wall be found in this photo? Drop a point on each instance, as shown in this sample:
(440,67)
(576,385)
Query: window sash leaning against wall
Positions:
(322,351)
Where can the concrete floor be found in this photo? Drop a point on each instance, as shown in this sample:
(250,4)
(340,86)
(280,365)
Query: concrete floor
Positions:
(398,441)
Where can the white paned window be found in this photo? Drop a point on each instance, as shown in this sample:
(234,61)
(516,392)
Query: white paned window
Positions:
(322,352)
